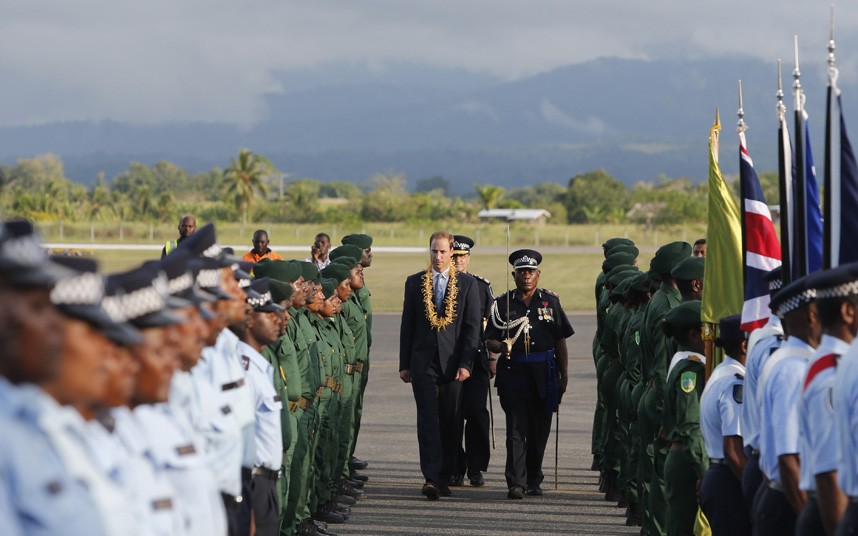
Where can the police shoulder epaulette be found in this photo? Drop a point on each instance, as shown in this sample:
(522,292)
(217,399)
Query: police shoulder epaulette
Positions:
(550,293)
(740,376)
(483,279)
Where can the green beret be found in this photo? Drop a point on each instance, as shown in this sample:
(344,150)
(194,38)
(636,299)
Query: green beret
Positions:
(329,286)
(689,268)
(620,290)
(611,242)
(348,262)
(621,276)
(616,259)
(279,290)
(348,250)
(280,270)
(639,283)
(336,271)
(623,249)
(362,241)
(617,269)
(668,256)
(684,315)
(309,271)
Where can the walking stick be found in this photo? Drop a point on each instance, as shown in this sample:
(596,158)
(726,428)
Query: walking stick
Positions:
(556,446)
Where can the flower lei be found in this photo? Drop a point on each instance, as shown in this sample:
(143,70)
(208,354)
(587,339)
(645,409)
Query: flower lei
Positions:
(440,323)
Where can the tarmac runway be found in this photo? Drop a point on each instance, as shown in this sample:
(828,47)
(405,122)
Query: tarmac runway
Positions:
(388,441)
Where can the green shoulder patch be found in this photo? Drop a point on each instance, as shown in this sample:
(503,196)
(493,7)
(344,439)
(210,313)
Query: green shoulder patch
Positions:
(688,381)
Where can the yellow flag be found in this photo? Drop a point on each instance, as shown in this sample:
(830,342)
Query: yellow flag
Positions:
(722,278)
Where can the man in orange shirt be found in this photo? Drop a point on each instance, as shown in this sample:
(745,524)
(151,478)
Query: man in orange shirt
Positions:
(260,249)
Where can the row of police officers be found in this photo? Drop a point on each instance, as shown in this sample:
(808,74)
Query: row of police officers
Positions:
(192,395)
(767,443)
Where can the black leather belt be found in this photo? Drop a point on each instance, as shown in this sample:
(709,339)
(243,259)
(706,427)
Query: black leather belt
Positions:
(265,472)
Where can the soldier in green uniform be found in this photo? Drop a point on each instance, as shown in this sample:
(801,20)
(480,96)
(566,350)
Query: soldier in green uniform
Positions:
(688,276)
(363,297)
(656,351)
(686,461)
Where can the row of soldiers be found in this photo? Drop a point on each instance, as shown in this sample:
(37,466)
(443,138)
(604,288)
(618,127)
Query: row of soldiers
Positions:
(766,444)
(196,395)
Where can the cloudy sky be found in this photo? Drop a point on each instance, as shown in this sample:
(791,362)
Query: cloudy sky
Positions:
(151,61)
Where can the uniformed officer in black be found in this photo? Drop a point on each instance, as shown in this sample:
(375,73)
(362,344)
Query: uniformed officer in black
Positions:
(532,369)
(474,418)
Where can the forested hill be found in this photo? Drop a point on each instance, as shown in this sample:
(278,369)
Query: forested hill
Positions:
(636,119)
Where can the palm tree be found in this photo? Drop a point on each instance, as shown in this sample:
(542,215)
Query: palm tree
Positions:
(245,179)
(490,195)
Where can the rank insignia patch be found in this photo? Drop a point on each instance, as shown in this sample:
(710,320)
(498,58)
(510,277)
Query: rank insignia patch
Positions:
(737,393)
(687,381)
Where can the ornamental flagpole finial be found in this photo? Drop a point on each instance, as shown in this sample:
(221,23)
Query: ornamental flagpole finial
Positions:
(741,126)
(796,75)
(832,67)
(781,107)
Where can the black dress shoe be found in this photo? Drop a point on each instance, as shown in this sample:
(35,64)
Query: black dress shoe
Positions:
(534,491)
(457,480)
(329,517)
(430,490)
(341,508)
(356,463)
(358,476)
(515,492)
(318,524)
(348,500)
(477,479)
(356,484)
(346,489)
(444,491)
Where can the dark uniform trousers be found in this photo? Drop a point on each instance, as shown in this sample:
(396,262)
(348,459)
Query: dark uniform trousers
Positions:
(528,427)
(259,502)
(848,525)
(474,422)
(722,501)
(773,515)
(438,401)
(809,521)
(752,479)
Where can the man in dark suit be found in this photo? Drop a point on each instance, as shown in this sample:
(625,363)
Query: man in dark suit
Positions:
(438,341)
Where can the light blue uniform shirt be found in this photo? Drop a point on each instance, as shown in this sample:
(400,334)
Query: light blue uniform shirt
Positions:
(228,375)
(765,341)
(846,419)
(820,450)
(269,437)
(39,497)
(780,389)
(721,406)
(175,453)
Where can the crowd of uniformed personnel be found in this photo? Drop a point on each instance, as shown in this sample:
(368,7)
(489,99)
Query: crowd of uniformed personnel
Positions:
(195,394)
(767,443)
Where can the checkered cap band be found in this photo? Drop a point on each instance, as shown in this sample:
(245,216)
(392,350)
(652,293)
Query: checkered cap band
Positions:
(181,283)
(83,289)
(113,306)
(208,278)
(212,251)
(25,250)
(525,261)
(791,304)
(146,300)
(263,299)
(840,291)
(776,284)
(244,283)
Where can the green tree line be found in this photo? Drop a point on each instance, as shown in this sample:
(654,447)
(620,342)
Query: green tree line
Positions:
(250,188)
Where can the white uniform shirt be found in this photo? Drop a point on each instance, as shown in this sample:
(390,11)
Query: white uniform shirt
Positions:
(820,450)
(721,406)
(175,453)
(846,419)
(765,340)
(267,403)
(780,396)
(226,367)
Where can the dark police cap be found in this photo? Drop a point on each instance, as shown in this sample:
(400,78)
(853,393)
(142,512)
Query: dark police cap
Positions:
(208,277)
(140,295)
(462,245)
(611,242)
(689,268)
(329,287)
(181,280)
(309,271)
(81,295)
(348,262)
(283,271)
(684,315)
(347,250)
(792,297)
(616,259)
(729,330)
(668,256)
(363,241)
(261,299)
(336,271)
(775,279)
(839,282)
(24,262)
(279,290)
(525,259)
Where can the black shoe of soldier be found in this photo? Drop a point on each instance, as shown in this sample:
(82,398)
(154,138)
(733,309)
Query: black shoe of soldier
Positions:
(329,517)
(307,528)
(346,489)
(534,491)
(357,464)
(477,479)
(358,476)
(341,508)
(457,480)
(444,491)
(516,493)
(356,484)
(430,490)
(348,500)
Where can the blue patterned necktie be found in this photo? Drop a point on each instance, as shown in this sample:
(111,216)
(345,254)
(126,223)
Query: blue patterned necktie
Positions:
(439,291)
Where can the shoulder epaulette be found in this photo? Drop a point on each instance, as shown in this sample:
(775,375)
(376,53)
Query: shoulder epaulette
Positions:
(739,376)
(483,279)
(550,293)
